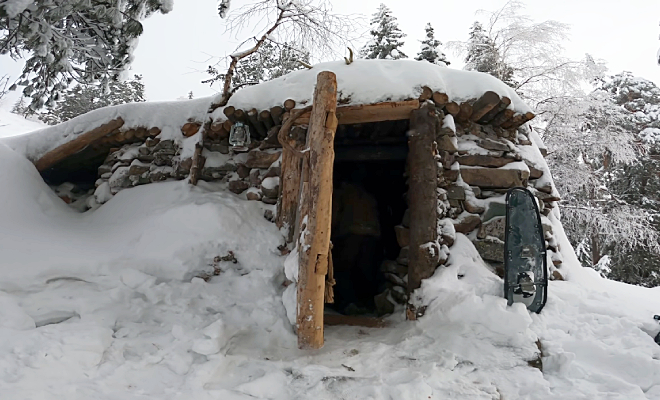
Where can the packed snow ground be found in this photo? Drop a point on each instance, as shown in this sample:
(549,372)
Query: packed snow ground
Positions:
(108,305)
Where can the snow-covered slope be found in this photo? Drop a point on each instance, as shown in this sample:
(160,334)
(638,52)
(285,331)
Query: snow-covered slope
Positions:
(107,305)
(14,125)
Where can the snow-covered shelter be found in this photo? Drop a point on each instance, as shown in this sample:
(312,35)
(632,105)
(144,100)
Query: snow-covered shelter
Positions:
(440,148)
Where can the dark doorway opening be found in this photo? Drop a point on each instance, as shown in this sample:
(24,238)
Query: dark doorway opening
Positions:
(368,202)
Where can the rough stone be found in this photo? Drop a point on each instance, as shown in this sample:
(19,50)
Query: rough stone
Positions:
(483,161)
(545,187)
(403,256)
(494,177)
(447,159)
(383,304)
(448,176)
(261,159)
(406,218)
(162,159)
(534,173)
(218,147)
(269,201)
(471,206)
(148,158)
(242,171)
(186,164)
(490,249)
(466,223)
(136,169)
(105,168)
(402,235)
(456,192)
(255,177)
(144,151)
(492,145)
(238,187)
(253,196)
(157,176)
(273,172)
(495,209)
(493,227)
(163,145)
(557,276)
(447,143)
(272,193)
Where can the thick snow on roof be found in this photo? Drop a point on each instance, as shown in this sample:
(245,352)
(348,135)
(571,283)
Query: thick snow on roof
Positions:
(372,81)
(362,82)
(168,116)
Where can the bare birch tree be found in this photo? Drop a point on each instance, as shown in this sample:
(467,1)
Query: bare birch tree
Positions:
(309,24)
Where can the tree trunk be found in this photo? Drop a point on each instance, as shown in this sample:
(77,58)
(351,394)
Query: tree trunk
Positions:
(422,198)
(314,242)
(595,249)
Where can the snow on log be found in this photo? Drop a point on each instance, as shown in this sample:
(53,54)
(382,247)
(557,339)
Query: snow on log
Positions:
(74,146)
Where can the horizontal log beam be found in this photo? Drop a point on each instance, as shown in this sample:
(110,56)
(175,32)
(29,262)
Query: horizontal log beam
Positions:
(362,114)
(77,144)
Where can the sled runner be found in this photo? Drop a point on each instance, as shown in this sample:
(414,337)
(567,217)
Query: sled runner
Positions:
(525,265)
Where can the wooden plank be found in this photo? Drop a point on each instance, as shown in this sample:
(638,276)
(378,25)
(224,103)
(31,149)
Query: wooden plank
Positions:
(59,153)
(314,247)
(362,114)
(290,181)
(422,198)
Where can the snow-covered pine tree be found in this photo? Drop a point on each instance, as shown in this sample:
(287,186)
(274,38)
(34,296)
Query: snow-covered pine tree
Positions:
(483,56)
(67,41)
(81,99)
(21,108)
(385,40)
(431,48)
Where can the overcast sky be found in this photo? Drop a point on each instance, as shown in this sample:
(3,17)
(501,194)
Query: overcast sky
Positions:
(176,48)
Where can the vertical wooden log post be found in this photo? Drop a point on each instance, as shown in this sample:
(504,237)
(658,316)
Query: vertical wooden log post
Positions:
(422,197)
(314,242)
(290,187)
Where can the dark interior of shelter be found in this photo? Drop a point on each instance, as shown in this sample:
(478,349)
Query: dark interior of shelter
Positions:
(368,202)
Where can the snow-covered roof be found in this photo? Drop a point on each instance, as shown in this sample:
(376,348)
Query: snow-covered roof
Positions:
(373,81)
(362,82)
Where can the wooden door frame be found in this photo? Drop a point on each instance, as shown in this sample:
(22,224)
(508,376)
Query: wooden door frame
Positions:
(315,211)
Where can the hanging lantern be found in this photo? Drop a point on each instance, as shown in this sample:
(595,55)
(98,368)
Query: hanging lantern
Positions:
(239,136)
